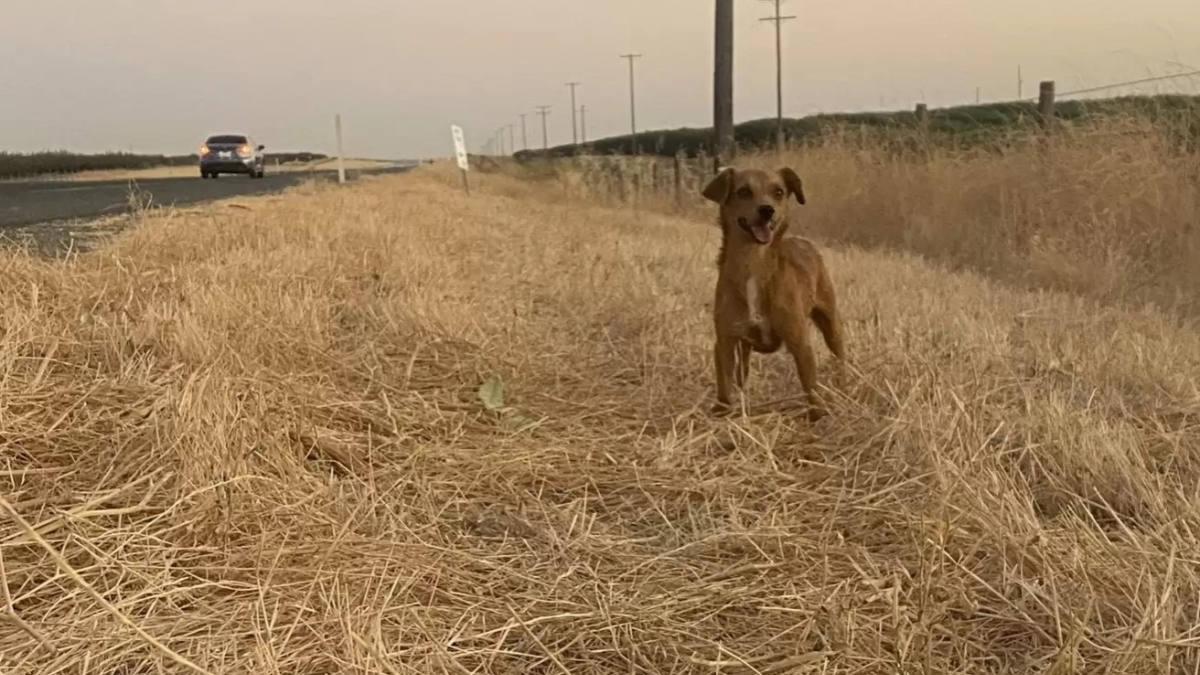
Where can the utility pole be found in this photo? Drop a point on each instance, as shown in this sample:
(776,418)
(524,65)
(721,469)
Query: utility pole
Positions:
(574,128)
(1020,85)
(524,136)
(544,110)
(632,100)
(723,86)
(583,123)
(500,140)
(512,140)
(341,161)
(778,20)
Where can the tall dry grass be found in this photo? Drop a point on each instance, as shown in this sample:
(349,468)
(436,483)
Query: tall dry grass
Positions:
(1108,209)
(253,440)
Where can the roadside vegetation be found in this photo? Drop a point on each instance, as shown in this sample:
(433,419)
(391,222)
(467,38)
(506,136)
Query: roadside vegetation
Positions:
(389,428)
(30,165)
(980,126)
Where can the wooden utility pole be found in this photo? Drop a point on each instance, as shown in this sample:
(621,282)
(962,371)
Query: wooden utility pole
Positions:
(544,110)
(632,101)
(512,140)
(583,123)
(778,20)
(524,136)
(574,126)
(723,86)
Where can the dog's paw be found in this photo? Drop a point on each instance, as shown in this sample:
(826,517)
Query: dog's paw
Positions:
(816,414)
(823,425)
(721,409)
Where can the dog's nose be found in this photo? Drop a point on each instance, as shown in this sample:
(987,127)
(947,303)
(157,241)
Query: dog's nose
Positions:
(766,212)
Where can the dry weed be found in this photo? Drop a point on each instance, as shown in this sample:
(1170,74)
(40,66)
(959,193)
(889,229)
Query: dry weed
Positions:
(254,440)
(1109,209)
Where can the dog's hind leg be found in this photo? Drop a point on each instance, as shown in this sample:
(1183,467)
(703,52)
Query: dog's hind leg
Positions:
(827,317)
(796,336)
(830,325)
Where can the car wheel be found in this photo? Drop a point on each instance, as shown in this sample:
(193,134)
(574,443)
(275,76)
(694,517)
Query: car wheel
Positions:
(204,175)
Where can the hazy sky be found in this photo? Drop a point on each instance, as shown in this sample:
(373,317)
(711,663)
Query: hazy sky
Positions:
(158,75)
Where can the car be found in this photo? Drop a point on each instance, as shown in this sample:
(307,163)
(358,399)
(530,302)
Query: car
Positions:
(232,153)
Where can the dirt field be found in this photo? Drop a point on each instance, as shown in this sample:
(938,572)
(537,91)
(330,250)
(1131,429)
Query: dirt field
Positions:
(389,429)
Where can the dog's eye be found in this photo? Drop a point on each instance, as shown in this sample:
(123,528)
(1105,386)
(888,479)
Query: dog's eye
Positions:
(745,192)
(778,193)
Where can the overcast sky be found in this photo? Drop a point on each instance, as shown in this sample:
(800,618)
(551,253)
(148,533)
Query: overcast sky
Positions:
(158,75)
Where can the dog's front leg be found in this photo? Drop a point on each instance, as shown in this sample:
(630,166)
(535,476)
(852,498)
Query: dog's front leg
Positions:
(741,357)
(725,354)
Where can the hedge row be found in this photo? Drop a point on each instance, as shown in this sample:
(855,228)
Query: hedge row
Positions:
(26,165)
(962,126)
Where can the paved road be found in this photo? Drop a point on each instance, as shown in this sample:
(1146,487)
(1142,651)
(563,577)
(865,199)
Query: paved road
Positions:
(44,202)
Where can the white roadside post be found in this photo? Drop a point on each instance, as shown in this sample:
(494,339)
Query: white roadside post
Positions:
(460,152)
(337,120)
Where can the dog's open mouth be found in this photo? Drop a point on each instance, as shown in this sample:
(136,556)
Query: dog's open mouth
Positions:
(761,231)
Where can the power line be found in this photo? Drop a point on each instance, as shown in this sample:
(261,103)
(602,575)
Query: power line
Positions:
(1160,78)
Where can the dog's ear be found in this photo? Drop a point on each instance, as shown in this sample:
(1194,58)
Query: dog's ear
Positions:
(792,181)
(718,188)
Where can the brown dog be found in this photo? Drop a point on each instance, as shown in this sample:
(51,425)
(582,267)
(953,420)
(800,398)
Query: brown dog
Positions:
(769,285)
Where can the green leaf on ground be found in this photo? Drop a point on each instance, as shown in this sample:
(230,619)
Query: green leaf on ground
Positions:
(491,393)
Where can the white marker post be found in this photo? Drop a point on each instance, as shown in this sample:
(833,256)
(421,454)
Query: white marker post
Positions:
(337,121)
(460,152)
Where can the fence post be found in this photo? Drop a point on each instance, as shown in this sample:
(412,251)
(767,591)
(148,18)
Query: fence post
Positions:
(637,186)
(341,158)
(619,174)
(1046,102)
(679,178)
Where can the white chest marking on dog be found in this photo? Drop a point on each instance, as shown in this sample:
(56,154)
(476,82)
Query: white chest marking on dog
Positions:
(752,301)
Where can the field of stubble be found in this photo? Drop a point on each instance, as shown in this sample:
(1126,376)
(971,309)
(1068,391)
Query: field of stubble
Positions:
(388,429)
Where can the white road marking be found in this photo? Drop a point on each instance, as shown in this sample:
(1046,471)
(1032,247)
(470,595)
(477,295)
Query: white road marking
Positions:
(71,189)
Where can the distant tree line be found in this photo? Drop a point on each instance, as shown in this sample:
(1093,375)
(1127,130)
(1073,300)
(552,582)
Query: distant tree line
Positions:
(28,165)
(976,125)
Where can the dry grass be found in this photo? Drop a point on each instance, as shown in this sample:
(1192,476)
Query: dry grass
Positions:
(1110,210)
(253,441)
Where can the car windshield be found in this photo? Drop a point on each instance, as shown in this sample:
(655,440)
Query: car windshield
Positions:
(230,140)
